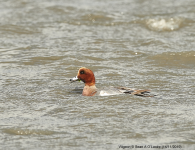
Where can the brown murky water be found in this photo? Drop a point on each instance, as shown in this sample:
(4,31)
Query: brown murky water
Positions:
(140,44)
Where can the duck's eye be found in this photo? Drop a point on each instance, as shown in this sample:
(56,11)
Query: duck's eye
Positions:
(82,72)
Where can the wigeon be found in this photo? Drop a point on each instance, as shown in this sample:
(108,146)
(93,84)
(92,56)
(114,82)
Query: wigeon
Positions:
(87,76)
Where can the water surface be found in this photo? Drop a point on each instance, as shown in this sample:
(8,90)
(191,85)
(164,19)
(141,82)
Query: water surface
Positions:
(140,44)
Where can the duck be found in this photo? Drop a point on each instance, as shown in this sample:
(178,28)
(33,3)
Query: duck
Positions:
(87,76)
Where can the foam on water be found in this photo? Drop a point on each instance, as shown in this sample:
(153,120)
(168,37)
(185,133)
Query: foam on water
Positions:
(164,24)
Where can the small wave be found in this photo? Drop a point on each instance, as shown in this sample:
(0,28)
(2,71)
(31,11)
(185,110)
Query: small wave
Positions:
(164,24)
(18,131)
(175,59)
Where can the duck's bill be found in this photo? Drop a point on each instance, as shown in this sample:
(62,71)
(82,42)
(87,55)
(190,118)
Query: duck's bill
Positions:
(74,79)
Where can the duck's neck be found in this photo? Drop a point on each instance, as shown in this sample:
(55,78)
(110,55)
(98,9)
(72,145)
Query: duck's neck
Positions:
(89,90)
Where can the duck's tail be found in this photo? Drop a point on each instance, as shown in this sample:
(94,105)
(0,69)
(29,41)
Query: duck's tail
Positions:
(144,93)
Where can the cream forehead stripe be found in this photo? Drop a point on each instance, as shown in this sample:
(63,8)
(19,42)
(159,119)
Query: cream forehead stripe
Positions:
(81,68)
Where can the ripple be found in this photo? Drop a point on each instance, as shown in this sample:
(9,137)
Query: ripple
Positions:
(15,29)
(179,59)
(19,131)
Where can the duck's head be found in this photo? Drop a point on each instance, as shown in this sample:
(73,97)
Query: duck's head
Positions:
(85,75)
